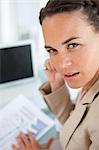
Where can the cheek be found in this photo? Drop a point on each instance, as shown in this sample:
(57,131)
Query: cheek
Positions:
(89,64)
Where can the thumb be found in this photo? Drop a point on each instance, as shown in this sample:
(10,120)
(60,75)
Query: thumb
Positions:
(49,142)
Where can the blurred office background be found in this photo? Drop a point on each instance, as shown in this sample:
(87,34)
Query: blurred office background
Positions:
(19,22)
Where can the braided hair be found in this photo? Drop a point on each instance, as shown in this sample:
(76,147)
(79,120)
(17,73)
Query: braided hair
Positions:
(89,7)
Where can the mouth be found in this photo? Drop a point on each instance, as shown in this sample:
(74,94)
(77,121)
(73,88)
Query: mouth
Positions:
(71,75)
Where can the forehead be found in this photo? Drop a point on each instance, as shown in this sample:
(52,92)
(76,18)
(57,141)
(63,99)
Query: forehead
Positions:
(65,24)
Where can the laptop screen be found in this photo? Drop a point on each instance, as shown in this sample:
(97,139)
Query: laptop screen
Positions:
(15,63)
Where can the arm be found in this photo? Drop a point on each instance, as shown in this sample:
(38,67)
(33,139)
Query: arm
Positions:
(58,101)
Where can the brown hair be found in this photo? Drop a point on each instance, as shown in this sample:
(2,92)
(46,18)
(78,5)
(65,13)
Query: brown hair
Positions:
(90,9)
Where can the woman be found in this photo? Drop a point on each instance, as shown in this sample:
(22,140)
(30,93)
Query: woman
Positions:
(71,34)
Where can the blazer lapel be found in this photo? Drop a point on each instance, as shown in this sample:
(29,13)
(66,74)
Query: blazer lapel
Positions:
(77,115)
(72,123)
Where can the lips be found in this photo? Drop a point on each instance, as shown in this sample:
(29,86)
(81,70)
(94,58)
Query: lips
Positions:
(68,75)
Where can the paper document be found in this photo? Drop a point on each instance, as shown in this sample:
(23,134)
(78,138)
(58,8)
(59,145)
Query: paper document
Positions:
(22,115)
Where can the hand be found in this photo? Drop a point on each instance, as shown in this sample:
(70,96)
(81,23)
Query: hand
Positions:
(55,78)
(27,142)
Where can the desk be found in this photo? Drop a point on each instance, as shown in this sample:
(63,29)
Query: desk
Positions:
(7,93)
(28,89)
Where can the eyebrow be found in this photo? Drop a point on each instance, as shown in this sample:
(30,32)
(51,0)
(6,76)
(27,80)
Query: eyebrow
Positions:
(70,39)
(48,47)
(65,42)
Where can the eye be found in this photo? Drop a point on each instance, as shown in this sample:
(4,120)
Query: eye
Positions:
(73,45)
(52,51)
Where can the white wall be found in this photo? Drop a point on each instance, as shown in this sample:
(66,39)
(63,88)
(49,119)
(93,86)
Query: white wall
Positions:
(9,30)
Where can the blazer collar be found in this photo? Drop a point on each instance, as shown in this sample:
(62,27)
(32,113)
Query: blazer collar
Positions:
(88,98)
(77,115)
(71,124)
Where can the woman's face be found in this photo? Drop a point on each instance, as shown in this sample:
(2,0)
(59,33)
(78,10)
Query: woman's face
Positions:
(73,46)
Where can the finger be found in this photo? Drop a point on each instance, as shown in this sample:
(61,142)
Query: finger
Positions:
(34,143)
(24,140)
(49,142)
(14,147)
(48,65)
(47,145)
(52,66)
(20,143)
(31,138)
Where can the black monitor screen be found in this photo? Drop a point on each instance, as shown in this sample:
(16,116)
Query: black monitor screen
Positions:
(15,63)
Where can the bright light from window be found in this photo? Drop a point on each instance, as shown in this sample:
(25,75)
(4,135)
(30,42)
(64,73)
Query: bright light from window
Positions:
(43,3)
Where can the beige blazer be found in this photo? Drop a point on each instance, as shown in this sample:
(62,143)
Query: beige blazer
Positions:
(80,122)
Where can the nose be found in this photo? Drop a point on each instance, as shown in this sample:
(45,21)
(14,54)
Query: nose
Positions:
(65,60)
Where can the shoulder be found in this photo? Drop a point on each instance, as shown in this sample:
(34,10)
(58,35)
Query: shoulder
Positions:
(93,124)
(93,116)
(94,106)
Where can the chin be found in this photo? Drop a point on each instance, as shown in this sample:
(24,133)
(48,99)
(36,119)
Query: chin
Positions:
(73,86)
